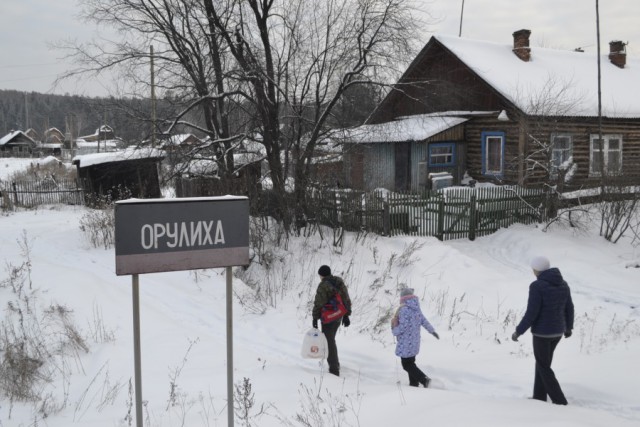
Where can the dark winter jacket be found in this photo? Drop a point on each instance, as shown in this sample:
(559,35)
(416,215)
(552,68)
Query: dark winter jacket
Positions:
(407,332)
(550,308)
(326,291)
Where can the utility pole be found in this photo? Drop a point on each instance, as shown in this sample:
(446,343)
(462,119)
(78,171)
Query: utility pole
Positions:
(461,14)
(600,141)
(153,100)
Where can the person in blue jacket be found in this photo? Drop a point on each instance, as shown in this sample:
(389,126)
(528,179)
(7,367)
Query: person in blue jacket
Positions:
(405,326)
(549,314)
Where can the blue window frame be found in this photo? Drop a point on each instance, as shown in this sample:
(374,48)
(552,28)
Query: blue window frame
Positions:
(442,154)
(493,153)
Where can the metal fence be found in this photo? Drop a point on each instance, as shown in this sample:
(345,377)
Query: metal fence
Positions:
(453,213)
(30,194)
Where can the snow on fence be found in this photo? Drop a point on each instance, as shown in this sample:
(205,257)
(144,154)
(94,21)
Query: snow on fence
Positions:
(47,191)
(452,213)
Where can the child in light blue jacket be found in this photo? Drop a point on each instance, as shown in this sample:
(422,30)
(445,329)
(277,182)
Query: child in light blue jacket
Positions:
(406,328)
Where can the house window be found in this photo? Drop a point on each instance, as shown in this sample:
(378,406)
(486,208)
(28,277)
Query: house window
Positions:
(561,151)
(442,154)
(605,154)
(493,153)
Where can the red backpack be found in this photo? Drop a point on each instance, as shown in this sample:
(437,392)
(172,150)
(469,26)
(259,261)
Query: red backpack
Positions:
(335,308)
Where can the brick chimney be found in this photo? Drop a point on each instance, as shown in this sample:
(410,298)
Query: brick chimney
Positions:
(617,53)
(521,45)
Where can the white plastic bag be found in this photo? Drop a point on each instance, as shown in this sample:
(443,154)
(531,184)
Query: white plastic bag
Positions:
(314,345)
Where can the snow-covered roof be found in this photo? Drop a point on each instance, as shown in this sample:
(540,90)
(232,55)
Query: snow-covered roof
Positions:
(103,128)
(13,134)
(411,128)
(559,82)
(178,139)
(198,167)
(81,143)
(117,156)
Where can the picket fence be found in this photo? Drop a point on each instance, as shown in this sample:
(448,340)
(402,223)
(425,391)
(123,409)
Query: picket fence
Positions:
(453,213)
(29,194)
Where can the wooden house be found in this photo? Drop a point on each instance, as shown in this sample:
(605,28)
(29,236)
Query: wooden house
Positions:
(31,133)
(128,173)
(53,136)
(103,133)
(503,113)
(17,143)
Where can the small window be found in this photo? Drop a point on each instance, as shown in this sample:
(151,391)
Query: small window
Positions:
(493,153)
(561,152)
(605,154)
(442,154)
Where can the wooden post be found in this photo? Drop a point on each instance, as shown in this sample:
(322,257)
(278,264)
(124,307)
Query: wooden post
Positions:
(472,218)
(15,193)
(440,235)
(386,219)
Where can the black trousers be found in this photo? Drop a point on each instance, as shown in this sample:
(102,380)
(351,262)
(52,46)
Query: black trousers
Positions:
(545,383)
(329,330)
(416,376)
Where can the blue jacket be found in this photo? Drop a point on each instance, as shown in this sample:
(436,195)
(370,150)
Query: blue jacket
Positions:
(550,308)
(407,332)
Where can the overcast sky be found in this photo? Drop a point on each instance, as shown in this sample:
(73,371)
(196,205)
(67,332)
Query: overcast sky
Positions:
(28,26)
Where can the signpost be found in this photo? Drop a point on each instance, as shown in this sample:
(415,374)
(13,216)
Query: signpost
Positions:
(157,235)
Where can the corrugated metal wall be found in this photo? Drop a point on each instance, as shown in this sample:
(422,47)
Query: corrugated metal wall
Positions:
(379,166)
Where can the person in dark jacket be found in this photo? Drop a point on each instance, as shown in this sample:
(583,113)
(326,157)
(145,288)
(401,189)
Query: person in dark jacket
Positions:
(550,316)
(326,290)
(406,326)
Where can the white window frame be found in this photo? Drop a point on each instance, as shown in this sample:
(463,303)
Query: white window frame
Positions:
(489,138)
(606,150)
(559,155)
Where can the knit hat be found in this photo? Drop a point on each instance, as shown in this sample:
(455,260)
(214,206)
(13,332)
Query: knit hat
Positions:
(406,291)
(324,271)
(540,264)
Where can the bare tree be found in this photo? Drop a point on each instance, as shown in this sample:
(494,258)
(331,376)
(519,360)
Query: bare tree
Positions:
(282,65)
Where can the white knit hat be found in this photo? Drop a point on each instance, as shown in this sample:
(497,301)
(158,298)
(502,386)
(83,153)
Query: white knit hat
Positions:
(540,263)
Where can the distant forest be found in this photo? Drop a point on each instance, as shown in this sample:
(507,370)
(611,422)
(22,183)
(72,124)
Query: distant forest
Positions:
(129,118)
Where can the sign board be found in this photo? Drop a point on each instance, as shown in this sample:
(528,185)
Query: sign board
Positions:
(155,235)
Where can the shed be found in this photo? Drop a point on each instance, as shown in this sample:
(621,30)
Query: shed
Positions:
(134,171)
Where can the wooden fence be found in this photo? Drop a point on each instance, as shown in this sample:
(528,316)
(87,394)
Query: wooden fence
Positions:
(29,194)
(460,212)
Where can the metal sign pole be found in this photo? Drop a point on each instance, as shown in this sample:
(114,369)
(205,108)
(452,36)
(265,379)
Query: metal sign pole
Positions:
(230,400)
(136,349)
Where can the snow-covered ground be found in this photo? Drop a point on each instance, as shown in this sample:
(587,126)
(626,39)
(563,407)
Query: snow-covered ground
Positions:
(472,292)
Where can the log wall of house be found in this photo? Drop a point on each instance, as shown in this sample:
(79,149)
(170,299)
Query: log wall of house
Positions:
(473,137)
(581,131)
(538,133)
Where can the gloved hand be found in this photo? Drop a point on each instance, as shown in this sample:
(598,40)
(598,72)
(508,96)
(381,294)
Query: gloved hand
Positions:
(315,323)
(345,321)
(515,336)
(435,334)
(567,333)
